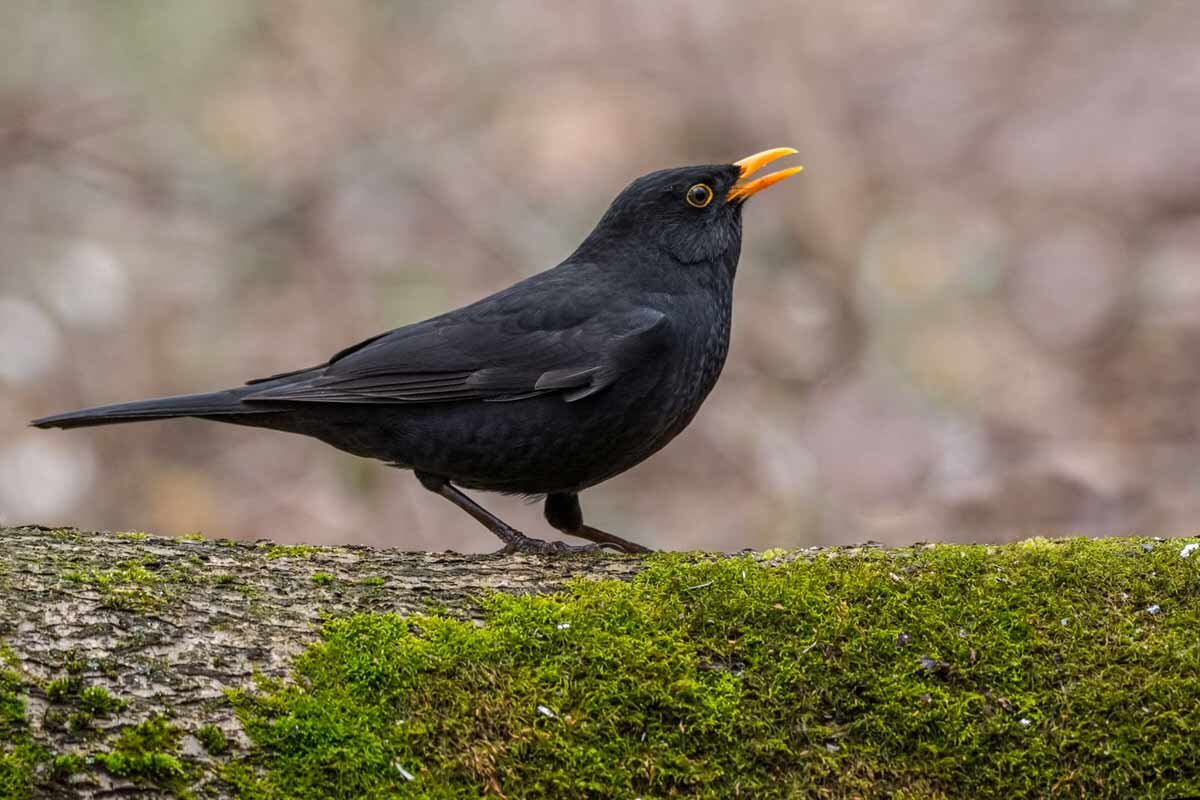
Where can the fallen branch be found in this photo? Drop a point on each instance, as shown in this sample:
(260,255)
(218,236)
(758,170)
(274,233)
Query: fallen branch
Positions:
(136,666)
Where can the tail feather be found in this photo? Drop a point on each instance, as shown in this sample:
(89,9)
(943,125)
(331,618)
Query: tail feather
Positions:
(211,404)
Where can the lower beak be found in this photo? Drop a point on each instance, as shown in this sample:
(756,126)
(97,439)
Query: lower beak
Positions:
(752,164)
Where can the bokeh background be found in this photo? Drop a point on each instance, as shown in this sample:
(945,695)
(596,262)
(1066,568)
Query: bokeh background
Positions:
(975,317)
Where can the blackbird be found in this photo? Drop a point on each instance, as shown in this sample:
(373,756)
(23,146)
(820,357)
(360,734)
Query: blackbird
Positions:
(553,385)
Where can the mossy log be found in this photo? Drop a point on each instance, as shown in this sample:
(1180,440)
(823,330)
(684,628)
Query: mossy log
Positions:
(138,666)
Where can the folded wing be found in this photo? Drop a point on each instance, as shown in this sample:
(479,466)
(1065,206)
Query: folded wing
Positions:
(489,355)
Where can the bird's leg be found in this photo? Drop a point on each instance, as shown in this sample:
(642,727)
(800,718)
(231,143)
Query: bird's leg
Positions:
(564,513)
(514,540)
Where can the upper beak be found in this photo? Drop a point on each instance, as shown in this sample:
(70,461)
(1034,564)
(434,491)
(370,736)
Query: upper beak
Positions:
(752,164)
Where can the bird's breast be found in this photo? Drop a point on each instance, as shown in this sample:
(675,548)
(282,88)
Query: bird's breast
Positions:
(700,361)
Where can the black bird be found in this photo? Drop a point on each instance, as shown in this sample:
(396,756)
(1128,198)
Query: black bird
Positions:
(553,385)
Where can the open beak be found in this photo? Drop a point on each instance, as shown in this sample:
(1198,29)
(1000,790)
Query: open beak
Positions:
(752,164)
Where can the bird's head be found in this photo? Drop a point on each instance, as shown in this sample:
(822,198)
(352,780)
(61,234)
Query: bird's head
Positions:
(693,214)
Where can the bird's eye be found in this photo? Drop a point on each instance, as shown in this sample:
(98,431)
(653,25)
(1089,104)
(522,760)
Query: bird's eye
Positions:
(699,195)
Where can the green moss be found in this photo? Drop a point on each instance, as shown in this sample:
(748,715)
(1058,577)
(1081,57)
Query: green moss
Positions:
(322,578)
(19,754)
(66,765)
(249,591)
(8,658)
(12,705)
(291,550)
(79,722)
(128,587)
(192,537)
(77,664)
(213,739)
(99,702)
(54,719)
(1034,670)
(61,689)
(88,702)
(148,754)
(133,536)
(18,762)
(373,580)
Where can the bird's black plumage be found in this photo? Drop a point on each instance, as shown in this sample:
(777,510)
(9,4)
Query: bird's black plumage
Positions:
(550,386)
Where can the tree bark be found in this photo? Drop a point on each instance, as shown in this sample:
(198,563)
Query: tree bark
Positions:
(167,625)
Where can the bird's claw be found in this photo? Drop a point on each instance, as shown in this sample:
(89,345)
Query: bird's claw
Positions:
(517,542)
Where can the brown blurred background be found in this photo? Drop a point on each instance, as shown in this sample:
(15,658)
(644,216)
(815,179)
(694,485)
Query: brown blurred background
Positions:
(976,316)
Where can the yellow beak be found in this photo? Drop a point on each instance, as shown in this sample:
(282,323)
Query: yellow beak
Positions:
(752,164)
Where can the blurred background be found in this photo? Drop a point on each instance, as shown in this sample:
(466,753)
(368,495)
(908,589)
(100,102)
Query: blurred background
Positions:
(975,316)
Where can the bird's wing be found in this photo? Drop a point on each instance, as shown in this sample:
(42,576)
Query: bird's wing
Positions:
(484,354)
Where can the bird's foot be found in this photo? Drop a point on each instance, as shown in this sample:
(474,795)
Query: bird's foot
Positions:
(517,542)
(606,539)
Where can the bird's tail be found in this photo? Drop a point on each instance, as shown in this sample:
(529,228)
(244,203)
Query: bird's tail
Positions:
(211,404)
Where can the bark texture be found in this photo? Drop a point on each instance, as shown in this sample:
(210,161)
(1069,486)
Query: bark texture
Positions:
(167,625)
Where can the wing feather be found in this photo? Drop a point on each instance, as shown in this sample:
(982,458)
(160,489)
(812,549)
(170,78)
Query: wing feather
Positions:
(494,360)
